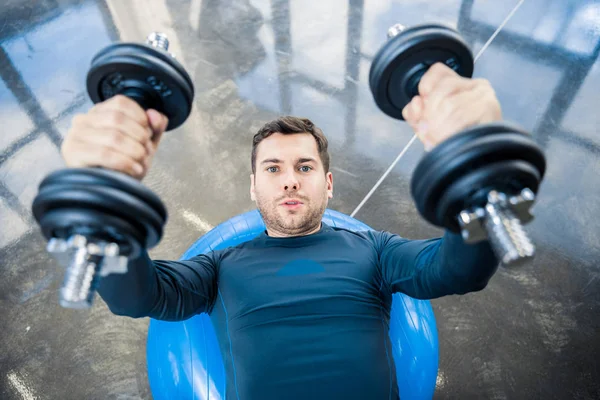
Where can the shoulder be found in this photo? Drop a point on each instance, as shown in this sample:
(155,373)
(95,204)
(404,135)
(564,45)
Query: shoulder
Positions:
(376,239)
(245,247)
(371,235)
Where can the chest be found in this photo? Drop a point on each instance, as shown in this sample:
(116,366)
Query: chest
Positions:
(299,281)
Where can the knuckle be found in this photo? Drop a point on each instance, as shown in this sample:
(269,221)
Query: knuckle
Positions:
(148,133)
(446,106)
(106,154)
(438,67)
(138,153)
(121,100)
(142,152)
(424,85)
(116,118)
(446,82)
(116,137)
(406,111)
(144,135)
(111,160)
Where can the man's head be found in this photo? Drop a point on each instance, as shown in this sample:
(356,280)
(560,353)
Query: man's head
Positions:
(290,161)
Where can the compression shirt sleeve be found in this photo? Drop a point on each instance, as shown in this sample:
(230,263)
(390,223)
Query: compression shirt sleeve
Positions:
(432,268)
(164,290)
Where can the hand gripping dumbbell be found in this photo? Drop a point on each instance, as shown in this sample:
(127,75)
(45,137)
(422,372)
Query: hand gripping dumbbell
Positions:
(481,182)
(96,219)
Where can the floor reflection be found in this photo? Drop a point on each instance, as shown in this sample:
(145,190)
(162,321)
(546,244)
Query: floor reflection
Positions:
(253,59)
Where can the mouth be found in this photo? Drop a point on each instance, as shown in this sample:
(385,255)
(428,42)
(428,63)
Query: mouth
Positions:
(292,204)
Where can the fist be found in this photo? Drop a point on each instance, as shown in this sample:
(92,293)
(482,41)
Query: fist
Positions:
(116,134)
(449,103)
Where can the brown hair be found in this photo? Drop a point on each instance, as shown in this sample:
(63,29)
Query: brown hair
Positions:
(291,125)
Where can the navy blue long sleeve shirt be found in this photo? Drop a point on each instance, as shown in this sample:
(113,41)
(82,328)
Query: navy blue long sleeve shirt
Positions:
(303,317)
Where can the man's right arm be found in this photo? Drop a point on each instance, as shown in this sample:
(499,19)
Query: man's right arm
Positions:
(165,290)
(117,134)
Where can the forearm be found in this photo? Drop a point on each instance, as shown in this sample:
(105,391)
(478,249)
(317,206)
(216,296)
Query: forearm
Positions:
(131,294)
(450,266)
(160,289)
(469,266)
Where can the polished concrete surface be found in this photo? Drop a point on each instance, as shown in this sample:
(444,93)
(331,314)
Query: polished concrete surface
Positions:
(533,333)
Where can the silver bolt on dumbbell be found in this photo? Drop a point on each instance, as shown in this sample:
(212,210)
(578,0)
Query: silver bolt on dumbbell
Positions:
(501,221)
(86,261)
(159,40)
(395,30)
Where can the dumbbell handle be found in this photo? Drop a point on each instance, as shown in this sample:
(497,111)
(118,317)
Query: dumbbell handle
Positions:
(503,227)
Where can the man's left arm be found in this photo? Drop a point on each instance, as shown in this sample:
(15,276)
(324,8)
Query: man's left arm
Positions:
(447,104)
(428,269)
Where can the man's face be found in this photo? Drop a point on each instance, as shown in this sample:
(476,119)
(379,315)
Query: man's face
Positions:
(288,168)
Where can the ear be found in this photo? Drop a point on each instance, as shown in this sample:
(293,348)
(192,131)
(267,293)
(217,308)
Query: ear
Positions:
(329,182)
(252,196)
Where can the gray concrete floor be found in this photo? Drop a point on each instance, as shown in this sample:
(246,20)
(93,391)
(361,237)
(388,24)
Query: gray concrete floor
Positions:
(533,333)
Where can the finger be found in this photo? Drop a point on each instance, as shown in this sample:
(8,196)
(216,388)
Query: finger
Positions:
(464,110)
(444,102)
(158,124)
(146,163)
(446,87)
(424,134)
(117,119)
(127,106)
(89,155)
(412,113)
(116,141)
(433,75)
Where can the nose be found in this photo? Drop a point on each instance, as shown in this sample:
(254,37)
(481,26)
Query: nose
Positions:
(291,182)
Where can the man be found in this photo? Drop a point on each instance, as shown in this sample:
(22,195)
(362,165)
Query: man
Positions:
(322,331)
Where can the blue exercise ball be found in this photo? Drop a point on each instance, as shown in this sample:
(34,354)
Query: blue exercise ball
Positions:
(184,360)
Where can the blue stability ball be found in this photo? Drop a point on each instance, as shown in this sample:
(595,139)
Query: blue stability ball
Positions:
(184,361)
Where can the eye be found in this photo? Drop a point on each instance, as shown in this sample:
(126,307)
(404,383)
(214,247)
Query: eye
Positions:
(308,168)
(272,169)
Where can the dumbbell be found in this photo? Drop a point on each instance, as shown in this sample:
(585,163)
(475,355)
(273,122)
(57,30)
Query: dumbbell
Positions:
(96,219)
(481,182)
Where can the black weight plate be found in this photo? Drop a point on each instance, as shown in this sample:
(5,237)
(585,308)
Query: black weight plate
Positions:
(414,49)
(471,190)
(475,154)
(455,142)
(62,223)
(466,151)
(107,200)
(106,178)
(149,68)
(129,48)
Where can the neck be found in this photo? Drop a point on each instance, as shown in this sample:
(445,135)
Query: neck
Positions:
(280,234)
